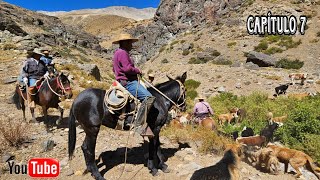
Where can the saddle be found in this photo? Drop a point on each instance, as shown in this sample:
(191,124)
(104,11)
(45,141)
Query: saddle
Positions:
(116,100)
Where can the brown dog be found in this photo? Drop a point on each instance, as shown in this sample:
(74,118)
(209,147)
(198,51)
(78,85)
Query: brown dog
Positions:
(295,158)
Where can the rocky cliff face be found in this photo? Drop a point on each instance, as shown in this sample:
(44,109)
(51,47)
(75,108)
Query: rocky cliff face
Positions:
(34,29)
(176,16)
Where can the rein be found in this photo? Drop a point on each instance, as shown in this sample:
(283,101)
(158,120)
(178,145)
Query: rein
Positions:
(59,86)
(180,96)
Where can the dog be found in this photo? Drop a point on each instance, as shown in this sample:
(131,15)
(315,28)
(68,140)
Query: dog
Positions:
(247,132)
(282,89)
(225,169)
(295,158)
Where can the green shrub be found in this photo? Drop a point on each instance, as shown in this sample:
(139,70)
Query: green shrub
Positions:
(162,48)
(263,45)
(215,53)
(222,62)
(194,60)
(174,42)
(9,46)
(273,50)
(185,52)
(192,84)
(289,43)
(182,41)
(164,61)
(288,64)
(230,44)
(191,94)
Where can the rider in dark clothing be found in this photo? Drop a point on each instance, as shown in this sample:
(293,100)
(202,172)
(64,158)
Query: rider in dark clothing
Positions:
(32,70)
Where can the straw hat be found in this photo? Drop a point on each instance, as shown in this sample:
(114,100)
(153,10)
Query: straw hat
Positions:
(37,51)
(151,75)
(200,98)
(124,37)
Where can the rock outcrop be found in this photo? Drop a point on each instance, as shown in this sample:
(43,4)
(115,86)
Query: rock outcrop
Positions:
(35,29)
(262,60)
(174,17)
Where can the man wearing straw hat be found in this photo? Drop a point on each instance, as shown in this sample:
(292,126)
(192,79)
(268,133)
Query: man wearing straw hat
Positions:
(32,70)
(127,74)
(202,109)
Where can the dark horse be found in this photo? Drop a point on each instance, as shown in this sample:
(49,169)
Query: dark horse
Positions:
(90,111)
(48,96)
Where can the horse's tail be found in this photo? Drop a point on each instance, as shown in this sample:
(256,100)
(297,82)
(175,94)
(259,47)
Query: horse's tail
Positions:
(16,99)
(72,133)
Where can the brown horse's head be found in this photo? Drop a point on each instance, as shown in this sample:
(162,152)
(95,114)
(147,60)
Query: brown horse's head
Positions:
(64,85)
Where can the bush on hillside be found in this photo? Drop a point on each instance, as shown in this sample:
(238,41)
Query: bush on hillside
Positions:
(185,52)
(288,64)
(192,84)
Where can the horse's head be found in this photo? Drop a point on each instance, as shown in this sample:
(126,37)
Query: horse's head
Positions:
(64,85)
(180,96)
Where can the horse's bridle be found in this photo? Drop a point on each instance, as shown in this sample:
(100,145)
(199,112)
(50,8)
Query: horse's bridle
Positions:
(182,95)
(60,86)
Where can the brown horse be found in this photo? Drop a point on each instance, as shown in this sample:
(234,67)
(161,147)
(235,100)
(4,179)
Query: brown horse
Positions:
(208,123)
(48,96)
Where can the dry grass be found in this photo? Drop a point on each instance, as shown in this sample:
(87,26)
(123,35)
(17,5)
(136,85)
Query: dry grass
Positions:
(208,141)
(13,132)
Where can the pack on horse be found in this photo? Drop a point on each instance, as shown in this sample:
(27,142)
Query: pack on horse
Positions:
(48,95)
(91,112)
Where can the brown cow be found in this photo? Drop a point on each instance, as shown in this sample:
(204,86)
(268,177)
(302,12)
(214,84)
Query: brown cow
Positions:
(298,76)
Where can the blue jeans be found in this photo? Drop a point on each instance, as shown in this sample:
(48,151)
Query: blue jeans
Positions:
(32,82)
(142,92)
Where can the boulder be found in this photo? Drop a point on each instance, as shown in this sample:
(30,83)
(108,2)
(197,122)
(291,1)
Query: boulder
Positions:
(251,65)
(221,89)
(7,157)
(10,80)
(91,69)
(48,145)
(262,60)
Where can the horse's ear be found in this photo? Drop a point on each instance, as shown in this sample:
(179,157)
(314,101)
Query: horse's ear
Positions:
(183,77)
(170,78)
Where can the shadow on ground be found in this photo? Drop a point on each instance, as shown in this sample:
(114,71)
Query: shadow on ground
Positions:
(135,156)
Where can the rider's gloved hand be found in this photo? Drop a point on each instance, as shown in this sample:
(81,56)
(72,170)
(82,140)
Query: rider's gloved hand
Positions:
(46,75)
(25,80)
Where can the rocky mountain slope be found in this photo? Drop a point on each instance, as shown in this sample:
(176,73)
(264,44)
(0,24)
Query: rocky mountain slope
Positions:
(123,11)
(34,30)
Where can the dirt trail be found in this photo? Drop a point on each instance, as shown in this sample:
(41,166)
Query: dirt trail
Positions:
(182,160)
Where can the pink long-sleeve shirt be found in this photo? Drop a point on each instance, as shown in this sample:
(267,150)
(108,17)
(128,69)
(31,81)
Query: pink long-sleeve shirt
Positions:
(202,107)
(123,66)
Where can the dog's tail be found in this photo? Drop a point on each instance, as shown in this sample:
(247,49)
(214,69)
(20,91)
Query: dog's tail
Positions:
(311,167)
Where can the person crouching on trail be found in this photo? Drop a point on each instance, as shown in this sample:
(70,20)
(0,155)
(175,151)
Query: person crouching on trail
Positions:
(127,74)
(33,70)
(202,110)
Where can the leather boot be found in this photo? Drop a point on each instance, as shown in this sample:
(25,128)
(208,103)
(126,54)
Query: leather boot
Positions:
(32,90)
(144,109)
